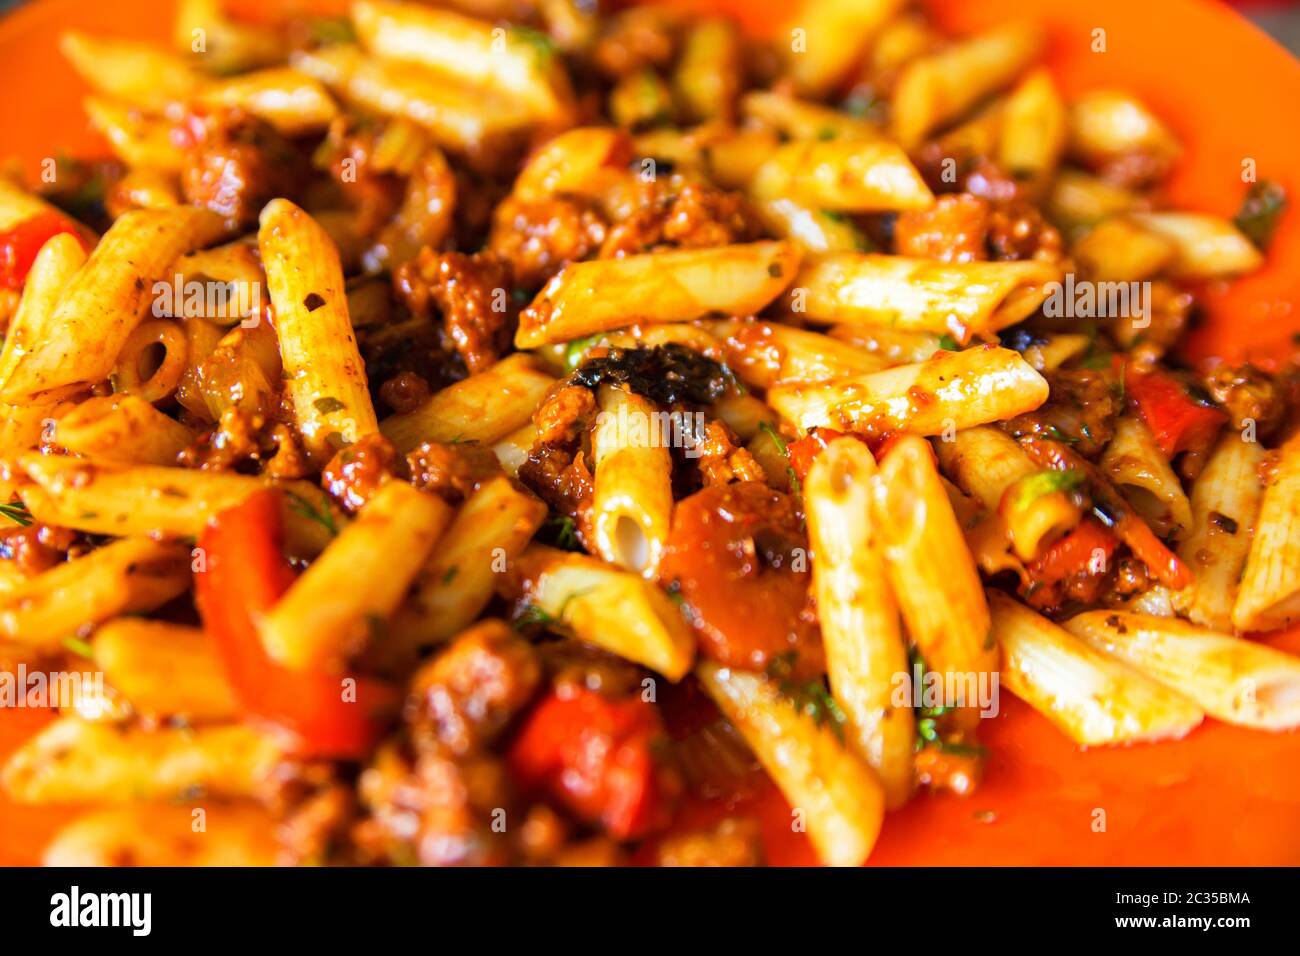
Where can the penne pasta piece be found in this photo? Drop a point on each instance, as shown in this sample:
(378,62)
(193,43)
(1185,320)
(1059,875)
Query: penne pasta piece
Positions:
(841,799)
(75,761)
(802,119)
(136,72)
(103,302)
(122,499)
(489,531)
(512,451)
(1116,250)
(1205,247)
(18,205)
(1079,200)
(991,466)
(323,371)
(1144,476)
(933,577)
(505,60)
(743,414)
(134,574)
(677,286)
(865,650)
(813,230)
(1033,129)
(165,835)
(827,38)
(1239,682)
(949,392)
(483,408)
(221,46)
(1225,507)
(583,162)
(122,428)
(136,138)
(709,71)
(764,354)
(1106,124)
(1092,697)
(894,346)
(293,102)
(614,609)
(165,670)
(327,615)
(935,90)
(458,118)
(1269,594)
(1050,352)
(963,299)
(632,502)
(843,176)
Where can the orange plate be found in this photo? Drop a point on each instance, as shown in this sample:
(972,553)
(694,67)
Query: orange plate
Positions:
(1222,796)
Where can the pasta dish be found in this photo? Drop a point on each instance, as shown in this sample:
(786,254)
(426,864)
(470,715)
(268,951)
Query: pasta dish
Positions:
(471,436)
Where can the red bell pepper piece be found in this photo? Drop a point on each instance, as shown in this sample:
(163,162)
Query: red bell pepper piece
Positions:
(1073,553)
(20,244)
(593,756)
(803,452)
(245,575)
(1176,419)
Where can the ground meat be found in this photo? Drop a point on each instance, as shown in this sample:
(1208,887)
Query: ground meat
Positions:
(571,665)
(721,461)
(562,479)
(36,547)
(417,346)
(1017,230)
(451,471)
(466,696)
(311,830)
(288,460)
(404,392)
(1245,392)
(634,39)
(668,374)
(235,440)
(1168,311)
(373,196)
(539,238)
(237,165)
(564,415)
(356,472)
(952,230)
(1080,411)
(1131,577)
(733,842)
(473,294)
(696,217)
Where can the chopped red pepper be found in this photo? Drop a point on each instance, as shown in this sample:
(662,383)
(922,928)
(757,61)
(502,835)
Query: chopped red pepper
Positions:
(1074,553)
(806,449)
(245,575)
(1176,419)
(593,755)
(20,244)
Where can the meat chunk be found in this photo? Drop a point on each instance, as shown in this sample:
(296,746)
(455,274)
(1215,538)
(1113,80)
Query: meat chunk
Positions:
(473,294)
(1081,411)
(1247,393)
(954,229)
(237,165)
(696,217)
(721,461)
(451,471)
(539,238)
(563,416)
(1017,230)
(356,472)
(467,695)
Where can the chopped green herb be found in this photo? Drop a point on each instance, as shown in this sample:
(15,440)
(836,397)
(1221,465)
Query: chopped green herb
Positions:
(302,506)
(774,270)
(563,532)
(17,512)
(1264,204)
(543,46)
(1033,487)
(948,343)
(328,405)
(576,350)
(79,647)
(534,614)
(770,430)
(332,30)
(1055,434)
(826,133)
(450,574)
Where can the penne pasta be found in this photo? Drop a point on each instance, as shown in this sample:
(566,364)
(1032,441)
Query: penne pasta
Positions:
(73,761)
(803,119)
(293,102)
(166,835)
(764,354)
(1225,510)
(949,392)
(1033,129)
(1091,696)
(827,37)
(134,574)
(135,72)
(165,670)
(1106,124)
(1117,250)
(814,230)
(483,408)
(327,616)
(136,138)
(103,302)
(121,428)
(1205,247)
(1238,682)
(632,503)
(1144,476)
(935,90)
(708,74)
(865,649)
(611,608)
(323,371)
(678,286)
(963,299)
(838,796)
(843,176)
(894,346)
(1269,594)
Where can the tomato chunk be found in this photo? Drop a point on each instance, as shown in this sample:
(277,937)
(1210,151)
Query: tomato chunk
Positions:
(1177,420)
(20,244)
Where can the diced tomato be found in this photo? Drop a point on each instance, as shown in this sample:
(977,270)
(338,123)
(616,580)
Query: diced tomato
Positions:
(20,244)
(1176,419)
(593,756)
(1074,553)
(245,575)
